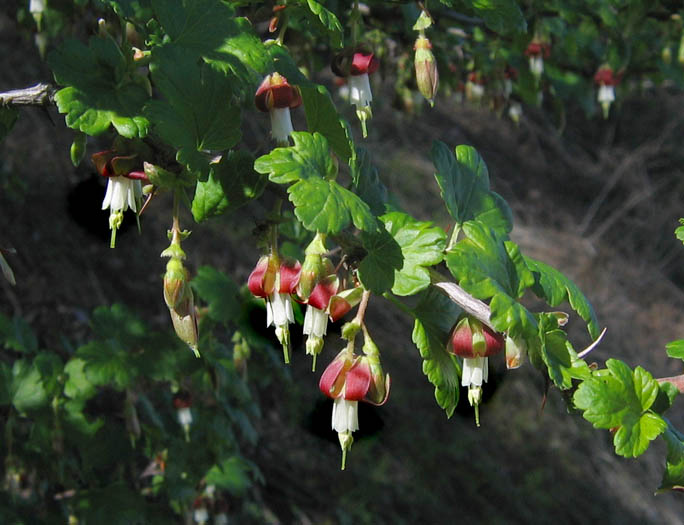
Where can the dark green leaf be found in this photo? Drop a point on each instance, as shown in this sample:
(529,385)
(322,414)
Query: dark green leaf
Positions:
(309,157)
(326,19)
(8,116)
(74,416)
(368,184)
(422,245)
(673,477)
(115,505)
(464,184)
(620,399)
(99,92)
(17,335)
(485,265)
(232,183)
(325,206)
(555,288)
(382,260)
(322,117)
(197,114)
(220,292)
(130,9)
(501,16)
(435,315)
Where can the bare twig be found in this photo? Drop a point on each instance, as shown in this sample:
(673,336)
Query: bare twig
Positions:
(38,95)
(472,306)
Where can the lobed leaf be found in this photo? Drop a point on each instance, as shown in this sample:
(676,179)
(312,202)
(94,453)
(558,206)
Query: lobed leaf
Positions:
(422,245)
(322,117)
(435,315)
(463,180)
(555,288)
(367,182)
(219,291)
(98,91)
(308,158)
(619,399)
(675,349)
(383,259)
(231,184)
(673,477)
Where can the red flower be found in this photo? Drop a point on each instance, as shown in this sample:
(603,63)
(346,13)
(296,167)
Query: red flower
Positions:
(276,96)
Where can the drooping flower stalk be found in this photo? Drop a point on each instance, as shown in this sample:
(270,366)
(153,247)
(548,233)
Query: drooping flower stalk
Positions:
(276,97)
(356,65)
(474,342)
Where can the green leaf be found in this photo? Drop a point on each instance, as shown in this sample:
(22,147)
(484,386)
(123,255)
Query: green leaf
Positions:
(220,292)
(501,16)
(368,184)
(556,356)
(555,288)
(100,90)
(232,184)
(77,385)
(129,9)
(118,324)
(74,416)
(382,260)
(679,232)
(485,265)
(198,25)
(308,158)
(435,315)
(115,504)
(675,349)
(327,20)
(620,400)
(8,116)
(231,475)
(106,363)
(322,117)
(17,335)
(197,114)
(673,477)
(422,245)
(326,207)
(464,185)
(26,391)
(50,366)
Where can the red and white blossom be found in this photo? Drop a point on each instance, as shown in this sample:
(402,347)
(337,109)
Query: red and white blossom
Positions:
(276,97)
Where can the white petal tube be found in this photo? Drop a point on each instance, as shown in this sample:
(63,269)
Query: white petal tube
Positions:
(315,322)
(345,415)
(281,124)
(475,371)
(360,90)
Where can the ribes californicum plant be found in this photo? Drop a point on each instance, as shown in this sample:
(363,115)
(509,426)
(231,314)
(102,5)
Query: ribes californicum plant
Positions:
(168,85)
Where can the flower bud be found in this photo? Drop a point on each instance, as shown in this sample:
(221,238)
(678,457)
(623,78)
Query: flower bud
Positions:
(341,303)
(78,148)
(515,352)
(176,286)
(427,75)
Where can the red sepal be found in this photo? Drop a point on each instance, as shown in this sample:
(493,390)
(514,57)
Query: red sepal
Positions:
(363,63)
(276,92)
(290,271)
(138,175)
(535,49)
(261,281)
(102,159)
(332,379)
(323,291)
(357,381)
(462,341)
(182,400)
(606,77)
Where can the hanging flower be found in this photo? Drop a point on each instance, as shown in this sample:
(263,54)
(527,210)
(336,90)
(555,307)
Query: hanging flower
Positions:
(356,65)
(349,379)
(606,81)
(276,96)
(124,188)
(536,52)
(275,282)
(316,317)
(199,511)
(510,76)
(475,87)
(515,112)
(182,402)
(474,342)
(427,75)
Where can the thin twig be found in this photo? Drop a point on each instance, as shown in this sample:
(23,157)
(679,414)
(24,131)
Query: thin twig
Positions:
(470,304)
(38,95)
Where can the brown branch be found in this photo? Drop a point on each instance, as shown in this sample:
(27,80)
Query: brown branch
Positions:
(677,381)
(38,95)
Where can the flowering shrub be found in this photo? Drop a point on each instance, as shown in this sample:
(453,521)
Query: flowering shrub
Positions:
(175,88)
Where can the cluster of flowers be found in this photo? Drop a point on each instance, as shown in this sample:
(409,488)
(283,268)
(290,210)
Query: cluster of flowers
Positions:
(349,378)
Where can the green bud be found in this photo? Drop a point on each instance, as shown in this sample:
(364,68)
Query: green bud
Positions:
(350,329)
(184,320)
(78,148)
(427,75)
(176,286)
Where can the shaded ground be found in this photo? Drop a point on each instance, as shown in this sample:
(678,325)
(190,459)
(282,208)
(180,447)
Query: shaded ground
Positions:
(414,465)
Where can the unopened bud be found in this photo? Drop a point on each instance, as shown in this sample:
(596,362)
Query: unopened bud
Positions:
(184,320)
(176,287)
(427,75)
(515,352)
(78,148)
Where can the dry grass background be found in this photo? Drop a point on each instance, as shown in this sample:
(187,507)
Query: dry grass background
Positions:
(599,202)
